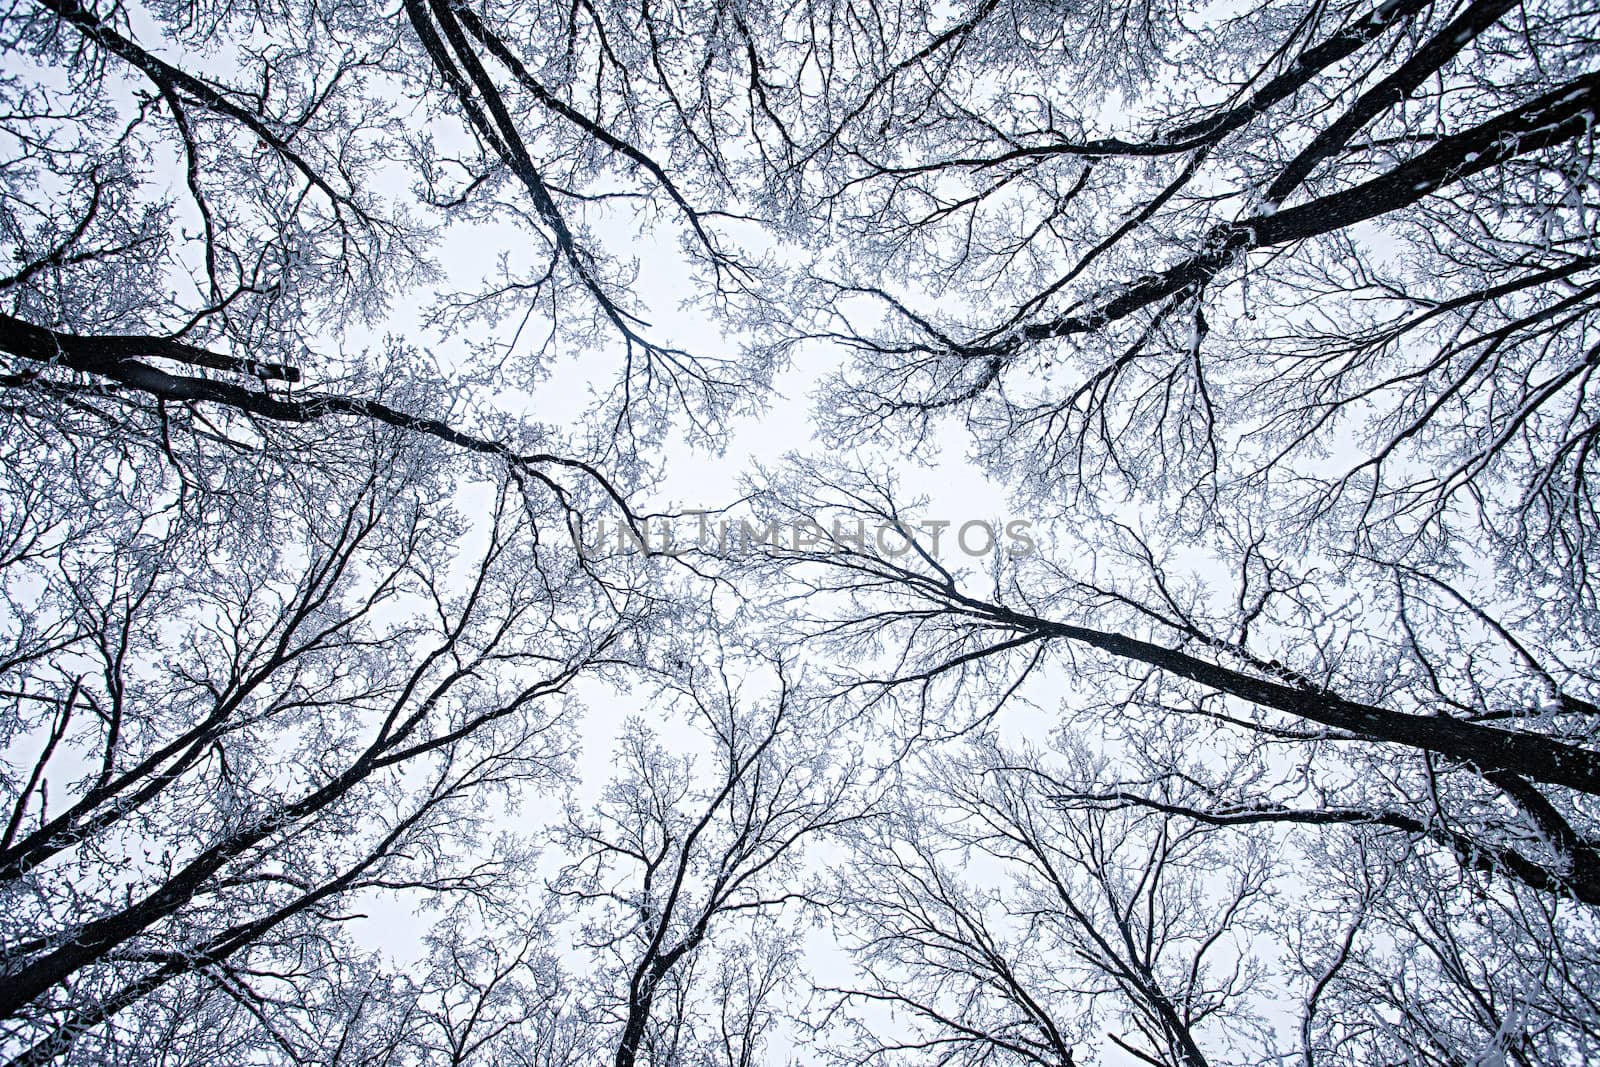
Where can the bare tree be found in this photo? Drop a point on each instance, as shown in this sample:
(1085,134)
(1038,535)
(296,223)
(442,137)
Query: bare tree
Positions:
(496,992)
(296,132)
(676,851)
(999,926)
(291,650)
(1194,303)
(1279,320)
(1168,648)
(1249,707)
(666,934)
(1288,350)
(220,734)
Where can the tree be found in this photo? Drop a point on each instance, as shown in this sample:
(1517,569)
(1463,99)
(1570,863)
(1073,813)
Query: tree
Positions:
(1279,321)
(1292,347)
(1236,312)
(674,851)
(1004,928)
(1401,955)
(261,663)
(1210,727)
(674,894)
(236,729)
(1354,115)
(290,228)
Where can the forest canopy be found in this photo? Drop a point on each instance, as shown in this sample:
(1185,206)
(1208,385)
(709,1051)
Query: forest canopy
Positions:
(860,532)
